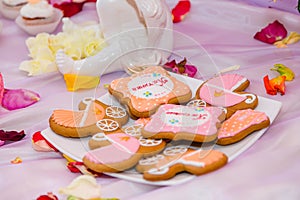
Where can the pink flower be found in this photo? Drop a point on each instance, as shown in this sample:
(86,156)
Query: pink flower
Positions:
(13,99)
(272,33)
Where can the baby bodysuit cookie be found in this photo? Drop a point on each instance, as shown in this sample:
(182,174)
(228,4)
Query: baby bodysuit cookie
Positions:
(176,159)
(144,92)
(178,122)
(117,152)
(227,91)
(241,124)
(92,117)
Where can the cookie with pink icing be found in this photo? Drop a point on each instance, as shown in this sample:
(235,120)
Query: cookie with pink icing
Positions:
(178,122)
(119,151)
(177,159)
(241,124)
(227,91)
(144,92)
(92,117)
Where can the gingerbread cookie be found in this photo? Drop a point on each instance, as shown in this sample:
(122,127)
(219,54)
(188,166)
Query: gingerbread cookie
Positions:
(93,117)
(241,124)
(176,159)
(178,122)
(227,91)
(144,92)
(119,151)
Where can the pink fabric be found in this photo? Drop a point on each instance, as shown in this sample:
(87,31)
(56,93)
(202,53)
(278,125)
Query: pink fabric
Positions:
(267,170)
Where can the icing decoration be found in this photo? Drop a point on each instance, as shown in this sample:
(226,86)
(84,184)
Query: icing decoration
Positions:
(197,103)
(92,113)
(178,118)
(239,121)
(154,80)
(149,142)
(122,148)
(107,125)
(75,82)
(115,112)
(219,91)
(134,131)
(195,158)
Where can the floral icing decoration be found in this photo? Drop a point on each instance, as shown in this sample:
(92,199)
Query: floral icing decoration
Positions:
(39,143)
(48,196)
(293,38)
(181,68)
(77,41)
(180,11)
(284,71)
(11,136)
(272,33)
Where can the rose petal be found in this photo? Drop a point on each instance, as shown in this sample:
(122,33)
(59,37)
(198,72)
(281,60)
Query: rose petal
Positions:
(2,142)
(69,9)
(11,135)
(39,143)
(49,196)
(272,33)
(19,98)
(1,88)
(181,10)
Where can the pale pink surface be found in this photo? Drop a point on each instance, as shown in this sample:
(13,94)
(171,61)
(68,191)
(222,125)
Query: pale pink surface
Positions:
(268,170)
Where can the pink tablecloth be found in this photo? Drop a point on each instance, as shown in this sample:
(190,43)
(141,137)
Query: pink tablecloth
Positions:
(267,170)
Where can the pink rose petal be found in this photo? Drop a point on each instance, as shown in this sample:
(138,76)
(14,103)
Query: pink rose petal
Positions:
(19,98)
(1,88)
(272,33)
(1,142)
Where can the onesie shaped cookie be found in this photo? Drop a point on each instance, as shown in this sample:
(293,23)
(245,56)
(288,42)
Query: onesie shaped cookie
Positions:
(227,91)
(117,152)
(178,122)
(241,124)
(176,159)
(93,117)
(144,92)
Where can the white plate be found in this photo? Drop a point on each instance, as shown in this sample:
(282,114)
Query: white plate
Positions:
(76,148)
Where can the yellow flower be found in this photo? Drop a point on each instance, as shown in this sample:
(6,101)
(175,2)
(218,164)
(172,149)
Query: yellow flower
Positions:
(37,67)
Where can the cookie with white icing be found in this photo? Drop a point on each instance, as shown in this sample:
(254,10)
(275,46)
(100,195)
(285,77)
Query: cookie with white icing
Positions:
(241,124)
(119,151)
(227,91)
(178,122)
(177,159)
(92,117)
(142,93)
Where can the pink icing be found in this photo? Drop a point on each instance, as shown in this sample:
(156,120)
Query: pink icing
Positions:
(241,120)
(122,148)
(178,118)
(219,90)
(150,88)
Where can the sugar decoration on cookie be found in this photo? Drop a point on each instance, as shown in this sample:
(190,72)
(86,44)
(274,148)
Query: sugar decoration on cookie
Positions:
(118,151)
(178,122)
(227,91)
(93,116)
(176,159)
(241,124)
(145,91)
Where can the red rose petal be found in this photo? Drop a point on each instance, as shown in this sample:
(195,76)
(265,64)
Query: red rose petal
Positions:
(181,10)
(272,33)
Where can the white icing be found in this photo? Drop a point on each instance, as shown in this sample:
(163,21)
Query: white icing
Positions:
(115,112)
(87,102)
(99,137)
(238,84)
(151,160)
(149,142)
(249,100)
(185,117)
(40,9)
(14,2)
(150,86)
(107,125)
